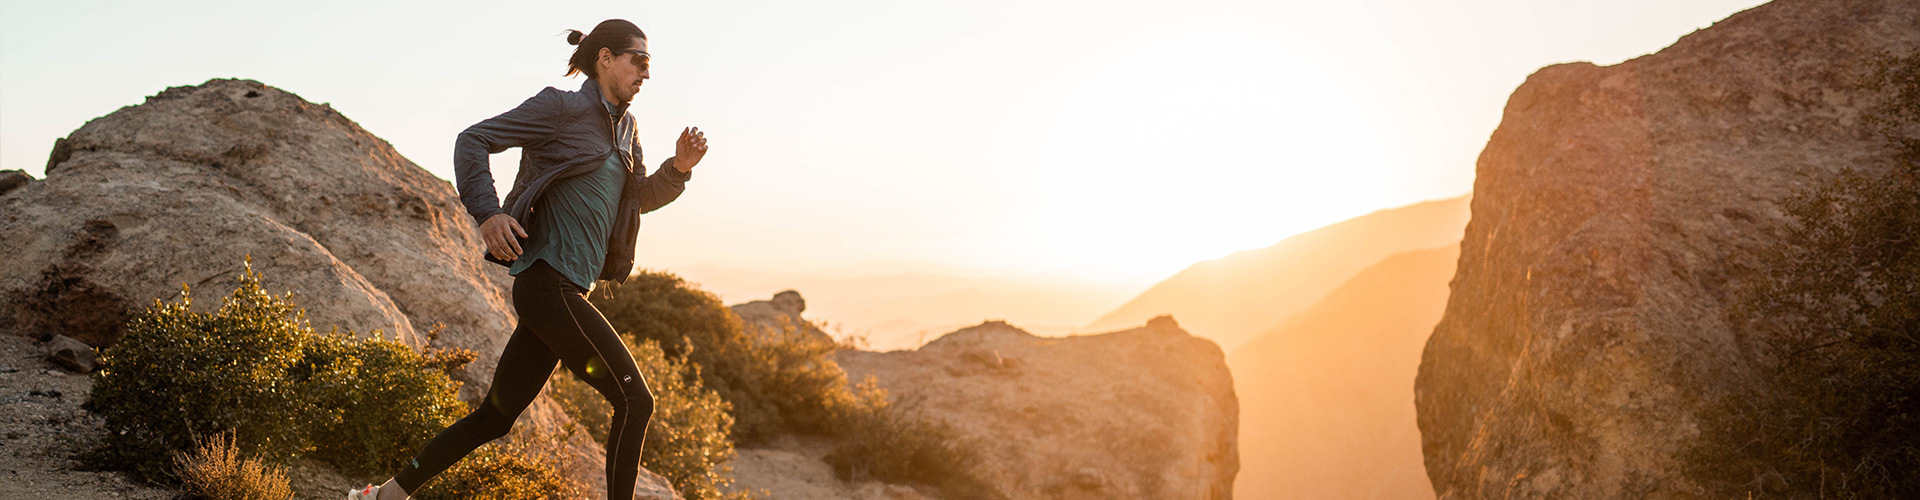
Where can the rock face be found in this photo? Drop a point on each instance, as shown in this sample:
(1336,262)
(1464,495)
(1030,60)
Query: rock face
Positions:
(1143,413)
(1613,210)
(178,189)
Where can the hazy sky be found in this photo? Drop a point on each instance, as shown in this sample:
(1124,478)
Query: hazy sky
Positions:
(1088,140)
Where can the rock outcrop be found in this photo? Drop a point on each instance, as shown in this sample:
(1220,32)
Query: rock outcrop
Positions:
(781,311)
(1614,210)
(10,179)
(178,189)
(1143,413)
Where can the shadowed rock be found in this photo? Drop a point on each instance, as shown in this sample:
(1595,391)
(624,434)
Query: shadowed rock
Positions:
(1614,209)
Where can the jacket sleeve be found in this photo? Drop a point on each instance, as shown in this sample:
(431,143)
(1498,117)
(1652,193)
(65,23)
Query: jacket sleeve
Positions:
(663,186)
(525,125)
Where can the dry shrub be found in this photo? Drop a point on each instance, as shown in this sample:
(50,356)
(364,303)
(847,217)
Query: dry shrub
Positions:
(215,471)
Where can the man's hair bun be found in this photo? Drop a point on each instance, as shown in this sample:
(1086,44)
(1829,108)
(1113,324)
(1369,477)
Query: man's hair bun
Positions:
(614,34)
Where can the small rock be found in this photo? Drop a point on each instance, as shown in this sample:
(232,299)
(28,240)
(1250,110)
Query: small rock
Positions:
(72,354)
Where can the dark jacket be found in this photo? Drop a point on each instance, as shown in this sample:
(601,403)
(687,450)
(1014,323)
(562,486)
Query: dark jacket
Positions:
(562,134)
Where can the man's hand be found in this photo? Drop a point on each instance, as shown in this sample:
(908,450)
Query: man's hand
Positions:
(498,232)
(689,149)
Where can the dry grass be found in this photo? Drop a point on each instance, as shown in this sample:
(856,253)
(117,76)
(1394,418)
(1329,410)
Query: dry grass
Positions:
(214,470)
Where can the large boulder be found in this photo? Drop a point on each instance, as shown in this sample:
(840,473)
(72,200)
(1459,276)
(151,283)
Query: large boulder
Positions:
(1142,413)
(1615,209)
(178,191)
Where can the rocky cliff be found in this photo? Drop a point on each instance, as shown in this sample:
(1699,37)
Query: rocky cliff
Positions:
(178,189)
(1613,209)
(1147,412)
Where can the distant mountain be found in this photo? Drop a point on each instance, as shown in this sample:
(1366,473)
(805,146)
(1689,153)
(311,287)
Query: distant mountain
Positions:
(1236,297)
(1326,401)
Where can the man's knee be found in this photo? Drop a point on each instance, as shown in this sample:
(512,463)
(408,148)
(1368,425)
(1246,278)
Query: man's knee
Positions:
(490,423)
(637,404)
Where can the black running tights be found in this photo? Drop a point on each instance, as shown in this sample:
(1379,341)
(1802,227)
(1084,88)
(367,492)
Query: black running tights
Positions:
(557,325)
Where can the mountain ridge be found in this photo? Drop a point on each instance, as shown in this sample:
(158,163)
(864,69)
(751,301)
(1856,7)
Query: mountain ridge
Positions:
(1233,298)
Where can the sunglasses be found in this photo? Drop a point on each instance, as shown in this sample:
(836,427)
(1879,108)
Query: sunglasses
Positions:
(641,62)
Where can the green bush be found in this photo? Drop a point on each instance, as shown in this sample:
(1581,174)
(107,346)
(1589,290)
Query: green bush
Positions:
(255,367)
(376,402)
(1836,408)
(783,385)
(524,467)
(881,441)
(216,471)
(687,437)
(179,376)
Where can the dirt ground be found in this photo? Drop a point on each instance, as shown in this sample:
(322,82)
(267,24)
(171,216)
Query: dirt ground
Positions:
(40,410)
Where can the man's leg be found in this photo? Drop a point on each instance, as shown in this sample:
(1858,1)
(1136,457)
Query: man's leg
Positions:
(524,366)
(583,340)
(612,371)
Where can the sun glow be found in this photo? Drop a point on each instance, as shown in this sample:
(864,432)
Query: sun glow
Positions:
(1197,148)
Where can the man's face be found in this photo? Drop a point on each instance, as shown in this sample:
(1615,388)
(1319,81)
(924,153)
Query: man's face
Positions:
(623,71)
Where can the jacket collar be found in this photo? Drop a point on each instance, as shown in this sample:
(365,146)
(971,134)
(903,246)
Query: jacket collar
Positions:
(591,87)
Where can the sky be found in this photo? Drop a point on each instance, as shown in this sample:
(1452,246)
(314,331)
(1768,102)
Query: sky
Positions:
(1110,143)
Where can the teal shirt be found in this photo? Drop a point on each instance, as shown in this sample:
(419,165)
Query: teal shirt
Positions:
(571,222)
